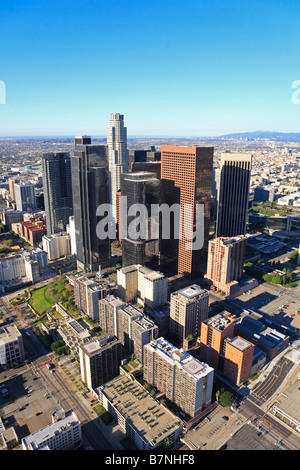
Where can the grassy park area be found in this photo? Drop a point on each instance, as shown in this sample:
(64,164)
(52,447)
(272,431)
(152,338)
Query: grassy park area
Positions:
(44,298)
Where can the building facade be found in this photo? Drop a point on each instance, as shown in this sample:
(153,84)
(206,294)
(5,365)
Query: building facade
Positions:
(186,174)
(56,168)
(235,172)
(188,308)
(118,156)
(100,360)
(179,376)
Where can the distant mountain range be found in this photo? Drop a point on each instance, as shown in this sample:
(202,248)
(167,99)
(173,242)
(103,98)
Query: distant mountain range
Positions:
(270,135)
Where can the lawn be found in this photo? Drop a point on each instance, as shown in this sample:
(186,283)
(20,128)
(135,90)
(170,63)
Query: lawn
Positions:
(103,414)
(44,298)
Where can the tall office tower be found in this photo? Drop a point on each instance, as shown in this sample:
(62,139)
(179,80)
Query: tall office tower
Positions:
(140,248)
(87,293)
(235,171)
(57,184)
(186,174)
(225,261)
(128,324)
(188,308)
(238,359)
(213,333)
(90,190)
(183,379)
(118,156)
(25,197)
(100,360)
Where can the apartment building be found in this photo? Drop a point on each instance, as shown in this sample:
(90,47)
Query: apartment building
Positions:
(139,283)
(11,346)
(87,293)
(179,376)
(127,323)
(188,308)
(100,360)
(64,433)
(57,245)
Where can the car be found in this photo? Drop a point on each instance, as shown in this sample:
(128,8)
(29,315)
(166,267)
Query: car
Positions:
(38,413)
(207,418)
(225,417)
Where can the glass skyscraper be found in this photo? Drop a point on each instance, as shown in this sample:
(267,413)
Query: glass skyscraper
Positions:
(57,184)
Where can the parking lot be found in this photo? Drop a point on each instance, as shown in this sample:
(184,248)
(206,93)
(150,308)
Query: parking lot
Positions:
(26,407)
(212,432)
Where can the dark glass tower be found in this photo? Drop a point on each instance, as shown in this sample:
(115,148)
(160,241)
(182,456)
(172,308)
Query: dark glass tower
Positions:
(57,184)
(90,190)
(140,188)
(235,171)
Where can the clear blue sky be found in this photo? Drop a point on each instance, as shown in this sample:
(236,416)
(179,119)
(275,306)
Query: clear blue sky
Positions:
(172,67)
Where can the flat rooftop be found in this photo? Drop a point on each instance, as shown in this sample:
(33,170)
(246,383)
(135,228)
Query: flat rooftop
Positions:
(241,343)
(152,421)
(191,291)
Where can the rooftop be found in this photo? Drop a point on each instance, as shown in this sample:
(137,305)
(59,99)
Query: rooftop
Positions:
(152,421)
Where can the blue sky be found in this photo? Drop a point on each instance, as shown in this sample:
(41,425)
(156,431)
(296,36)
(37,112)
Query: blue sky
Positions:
(172,67)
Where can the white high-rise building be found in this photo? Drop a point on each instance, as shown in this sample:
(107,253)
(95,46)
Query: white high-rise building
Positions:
(118,156)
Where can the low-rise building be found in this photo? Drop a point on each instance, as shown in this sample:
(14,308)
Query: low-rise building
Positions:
(64,433)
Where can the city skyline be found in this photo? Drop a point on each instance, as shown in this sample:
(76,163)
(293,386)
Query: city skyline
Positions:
(185,69)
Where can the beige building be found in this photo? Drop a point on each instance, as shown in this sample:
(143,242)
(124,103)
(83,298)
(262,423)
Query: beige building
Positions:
(144,285)
(57,245)
(225,261)
(11,346)
(188,308)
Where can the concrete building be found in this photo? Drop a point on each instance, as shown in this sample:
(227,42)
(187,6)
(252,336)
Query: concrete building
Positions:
(179,376)
(57,245)
(25,197)
(188,308)
(225,262)
(118,156)
(87,293)
(100,360)
(214,331)
(139,283)
(64,433)
(235,171)
(186,175)
(129,405)
(20,269)
(128,324)
(238,359)
(70,229)
(11,346)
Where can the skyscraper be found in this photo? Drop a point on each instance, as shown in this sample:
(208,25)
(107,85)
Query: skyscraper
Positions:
(140,188)
(186,174)
(118,156)
(25,197)
(235,171)
(57,184)
(89,182)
